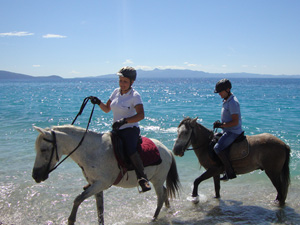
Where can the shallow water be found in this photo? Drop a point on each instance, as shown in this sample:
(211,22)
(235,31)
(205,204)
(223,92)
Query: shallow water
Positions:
(268,105)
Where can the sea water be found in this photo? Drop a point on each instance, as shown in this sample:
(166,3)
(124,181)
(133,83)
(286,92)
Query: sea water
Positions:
(267,105)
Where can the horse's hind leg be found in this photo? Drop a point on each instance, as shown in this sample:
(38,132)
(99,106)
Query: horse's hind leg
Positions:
(167,203)
(276,181)
(161,198)
(100,207)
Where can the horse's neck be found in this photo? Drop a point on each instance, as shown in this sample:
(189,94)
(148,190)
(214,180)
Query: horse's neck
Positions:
(69,138)
(202,137)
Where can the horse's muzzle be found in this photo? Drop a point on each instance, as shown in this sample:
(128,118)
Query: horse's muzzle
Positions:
(177,150)
(39,174)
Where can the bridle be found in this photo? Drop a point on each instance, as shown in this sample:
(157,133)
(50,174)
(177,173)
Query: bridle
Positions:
(188,143)
(54,149)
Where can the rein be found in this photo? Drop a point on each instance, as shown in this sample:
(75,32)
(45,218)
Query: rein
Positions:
(54,144)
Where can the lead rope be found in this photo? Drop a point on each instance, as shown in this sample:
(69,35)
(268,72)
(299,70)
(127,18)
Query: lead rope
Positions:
(85,101)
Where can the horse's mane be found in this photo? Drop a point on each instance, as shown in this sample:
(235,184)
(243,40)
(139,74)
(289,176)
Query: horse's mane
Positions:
(185,120)
(68,127)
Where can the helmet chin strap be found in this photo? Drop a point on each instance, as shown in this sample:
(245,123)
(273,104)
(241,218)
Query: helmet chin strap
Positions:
(229,93)
(131,82)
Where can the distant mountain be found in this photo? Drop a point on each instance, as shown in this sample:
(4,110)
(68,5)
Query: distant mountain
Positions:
(156,73)
(5,75)
(171,73)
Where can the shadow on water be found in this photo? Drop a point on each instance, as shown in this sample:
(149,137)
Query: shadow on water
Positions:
(234,212)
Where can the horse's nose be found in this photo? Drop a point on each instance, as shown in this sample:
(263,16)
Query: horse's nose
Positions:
(38,175)
(177,150)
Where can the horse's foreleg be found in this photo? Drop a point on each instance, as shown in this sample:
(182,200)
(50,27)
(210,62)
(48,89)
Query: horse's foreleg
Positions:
(100,207)
(92,190)
(217,185)
(204,176)
(78,200)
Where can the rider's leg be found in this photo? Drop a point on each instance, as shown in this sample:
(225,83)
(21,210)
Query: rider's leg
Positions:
(130,138)
(225,141)
(229,172)
(139,170)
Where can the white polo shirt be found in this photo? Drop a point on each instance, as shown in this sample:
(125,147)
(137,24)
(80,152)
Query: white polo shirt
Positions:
(122,106)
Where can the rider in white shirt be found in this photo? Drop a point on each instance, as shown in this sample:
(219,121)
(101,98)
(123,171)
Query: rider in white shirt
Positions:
(127,107)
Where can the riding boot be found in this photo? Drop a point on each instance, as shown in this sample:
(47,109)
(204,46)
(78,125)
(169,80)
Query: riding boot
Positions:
(229,172)
(139,170)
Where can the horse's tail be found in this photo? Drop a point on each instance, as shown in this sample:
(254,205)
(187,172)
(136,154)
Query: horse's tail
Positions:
(285,173)
(173,183)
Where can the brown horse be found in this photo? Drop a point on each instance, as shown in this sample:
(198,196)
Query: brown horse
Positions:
(264,151)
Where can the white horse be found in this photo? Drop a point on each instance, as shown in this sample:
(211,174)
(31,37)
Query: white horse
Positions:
(96,158)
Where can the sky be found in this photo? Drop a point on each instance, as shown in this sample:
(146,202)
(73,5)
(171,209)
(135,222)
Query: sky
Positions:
(79,38)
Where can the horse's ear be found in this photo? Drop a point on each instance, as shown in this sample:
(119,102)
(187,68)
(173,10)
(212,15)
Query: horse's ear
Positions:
(41,130)
(194,122)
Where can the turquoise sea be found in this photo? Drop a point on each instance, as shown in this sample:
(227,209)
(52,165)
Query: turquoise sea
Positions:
(268,105)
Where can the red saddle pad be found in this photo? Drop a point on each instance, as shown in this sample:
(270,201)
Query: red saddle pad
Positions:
(149,152)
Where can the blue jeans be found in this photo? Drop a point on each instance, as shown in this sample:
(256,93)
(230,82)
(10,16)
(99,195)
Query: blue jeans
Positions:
(225,140)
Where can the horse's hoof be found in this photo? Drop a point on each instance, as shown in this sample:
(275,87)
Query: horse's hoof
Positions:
(279,203)
(154,219)
(194,200)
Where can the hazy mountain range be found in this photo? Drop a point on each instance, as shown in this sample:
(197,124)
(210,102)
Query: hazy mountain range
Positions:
(156,73)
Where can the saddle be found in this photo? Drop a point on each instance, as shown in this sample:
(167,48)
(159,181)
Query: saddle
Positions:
(146,148)
(239,149)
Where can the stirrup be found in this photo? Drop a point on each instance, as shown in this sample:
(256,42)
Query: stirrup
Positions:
(144,183)
(226,177)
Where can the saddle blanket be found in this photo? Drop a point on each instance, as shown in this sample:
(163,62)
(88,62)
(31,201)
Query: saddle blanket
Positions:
(149,152)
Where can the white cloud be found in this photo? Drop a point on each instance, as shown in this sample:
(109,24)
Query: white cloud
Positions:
(170,67)
(128,61)
(74,72)
(36,66)
(53,36)
(190,64)
(224,66)
(16,34)
(143,68)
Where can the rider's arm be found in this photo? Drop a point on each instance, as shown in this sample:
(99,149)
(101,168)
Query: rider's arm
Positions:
(105,107)
(138,116)
(233,122)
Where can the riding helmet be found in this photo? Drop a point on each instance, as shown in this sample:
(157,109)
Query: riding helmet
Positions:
(222,85)
(128,72)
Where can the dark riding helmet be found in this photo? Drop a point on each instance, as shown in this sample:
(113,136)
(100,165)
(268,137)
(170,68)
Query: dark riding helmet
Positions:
(222,85)
(128,72)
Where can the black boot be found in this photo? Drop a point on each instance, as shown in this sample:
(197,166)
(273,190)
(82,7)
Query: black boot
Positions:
(139,170)
(229,172)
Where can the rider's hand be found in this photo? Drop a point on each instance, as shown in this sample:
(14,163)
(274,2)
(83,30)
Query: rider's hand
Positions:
(95,100)
(119,123)
(217,124)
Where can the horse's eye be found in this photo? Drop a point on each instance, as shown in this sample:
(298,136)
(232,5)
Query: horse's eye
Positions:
(43,150)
